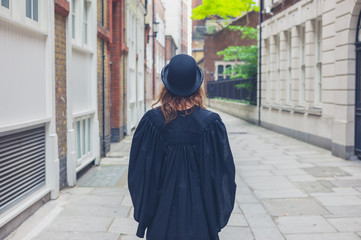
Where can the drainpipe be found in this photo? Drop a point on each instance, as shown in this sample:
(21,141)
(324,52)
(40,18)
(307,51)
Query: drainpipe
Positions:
(124,70)
(260,62)
(103,86)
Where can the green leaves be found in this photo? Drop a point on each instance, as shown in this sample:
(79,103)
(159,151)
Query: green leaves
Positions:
(224,9)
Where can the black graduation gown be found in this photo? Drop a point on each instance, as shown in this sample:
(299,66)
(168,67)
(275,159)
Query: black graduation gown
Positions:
(182,176)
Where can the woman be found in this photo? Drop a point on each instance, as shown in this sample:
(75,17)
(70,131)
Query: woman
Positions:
(181,171)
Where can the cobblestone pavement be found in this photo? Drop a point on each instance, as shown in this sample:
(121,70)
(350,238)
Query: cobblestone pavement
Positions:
(286,189)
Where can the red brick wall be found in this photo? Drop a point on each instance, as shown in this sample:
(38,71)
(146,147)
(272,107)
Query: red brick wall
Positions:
(117,78)
(221,40)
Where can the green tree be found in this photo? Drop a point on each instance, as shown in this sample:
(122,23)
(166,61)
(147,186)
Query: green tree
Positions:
(223,8)
(246,57)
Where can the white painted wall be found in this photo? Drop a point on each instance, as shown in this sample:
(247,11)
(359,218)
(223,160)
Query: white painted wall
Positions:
(27,87)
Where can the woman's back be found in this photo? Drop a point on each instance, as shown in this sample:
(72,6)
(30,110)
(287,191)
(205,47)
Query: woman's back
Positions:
(181,176)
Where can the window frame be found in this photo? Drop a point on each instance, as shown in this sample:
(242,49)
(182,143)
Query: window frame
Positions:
(32,10)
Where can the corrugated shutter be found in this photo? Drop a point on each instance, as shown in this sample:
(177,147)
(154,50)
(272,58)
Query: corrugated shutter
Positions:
(22,164)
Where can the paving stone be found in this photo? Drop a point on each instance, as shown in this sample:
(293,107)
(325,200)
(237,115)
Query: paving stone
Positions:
(68,223)
(332,200)
(339,192)
(260,221)
(346,224)
(123,226)
(301,178)
(280,193)
(297,206)
(239,233)
(129,237)
(253,209)
(267,233)
(96,211)
(288,172)
(316,186)
(344,211)
(268,182)
(237,220)
(304,224)
(58,235)
(347,183)
(326,172)
(323,236)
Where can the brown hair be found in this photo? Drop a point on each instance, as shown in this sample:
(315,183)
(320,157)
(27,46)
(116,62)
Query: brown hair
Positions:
(171,103)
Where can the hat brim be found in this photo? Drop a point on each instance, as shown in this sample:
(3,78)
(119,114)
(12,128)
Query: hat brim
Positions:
(179,92)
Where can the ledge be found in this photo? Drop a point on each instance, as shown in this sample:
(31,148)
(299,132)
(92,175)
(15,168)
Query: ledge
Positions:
(62,7)
(299,110)
(104,33)
(317,112)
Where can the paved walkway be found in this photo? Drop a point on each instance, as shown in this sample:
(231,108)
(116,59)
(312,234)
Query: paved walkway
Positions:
(286,189)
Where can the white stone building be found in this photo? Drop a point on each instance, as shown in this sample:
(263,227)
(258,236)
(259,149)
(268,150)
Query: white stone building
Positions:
(135,62)
(83,126)
(29,164)
(310,73)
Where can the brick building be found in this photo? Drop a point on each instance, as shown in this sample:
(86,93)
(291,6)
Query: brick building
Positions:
(198,31)
(310,72)
(214,66)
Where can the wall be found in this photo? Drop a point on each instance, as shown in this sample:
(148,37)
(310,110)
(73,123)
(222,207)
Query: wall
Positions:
(330,123)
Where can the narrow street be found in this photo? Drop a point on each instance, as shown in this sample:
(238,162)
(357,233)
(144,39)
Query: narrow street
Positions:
(286,189)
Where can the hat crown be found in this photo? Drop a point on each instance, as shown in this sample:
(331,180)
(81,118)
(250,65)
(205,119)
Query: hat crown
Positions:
(182,71)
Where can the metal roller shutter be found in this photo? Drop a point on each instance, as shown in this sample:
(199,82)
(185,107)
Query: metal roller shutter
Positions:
(22,164)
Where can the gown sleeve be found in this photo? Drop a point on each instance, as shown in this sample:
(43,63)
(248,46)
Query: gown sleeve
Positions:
(217,174)
(143,173)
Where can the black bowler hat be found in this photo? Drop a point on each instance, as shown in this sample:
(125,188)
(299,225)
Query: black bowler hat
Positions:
(182,76)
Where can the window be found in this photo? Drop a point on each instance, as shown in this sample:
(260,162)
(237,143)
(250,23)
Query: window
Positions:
(228,72)
(318,63)
(278,67)
(85,22)
(302,84)
(32,9)
(224,69)
(73,5)
(220,71)
(5,3)
(83,138)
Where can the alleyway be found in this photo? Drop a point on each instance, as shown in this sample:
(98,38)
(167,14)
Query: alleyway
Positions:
(286,189)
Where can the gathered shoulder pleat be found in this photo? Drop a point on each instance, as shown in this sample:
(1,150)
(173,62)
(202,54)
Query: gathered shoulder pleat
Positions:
(144,171)
(217,174)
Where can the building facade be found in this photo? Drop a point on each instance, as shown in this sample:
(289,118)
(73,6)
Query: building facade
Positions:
(135,27)
(29,153)
(214,66)
(82,93)
(310,81)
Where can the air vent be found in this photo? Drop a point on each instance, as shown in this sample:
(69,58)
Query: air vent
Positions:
(22,165)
